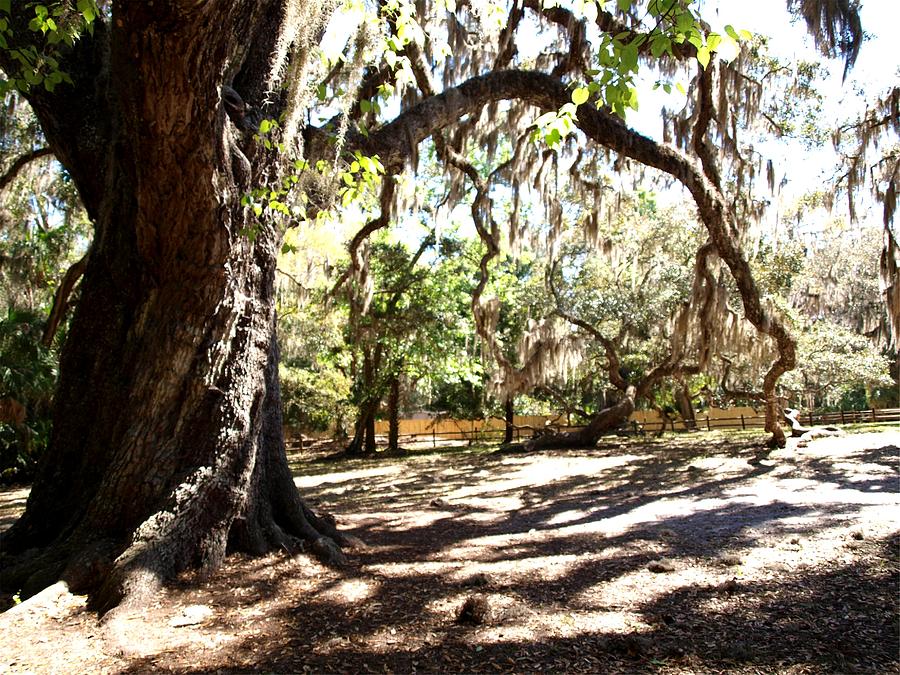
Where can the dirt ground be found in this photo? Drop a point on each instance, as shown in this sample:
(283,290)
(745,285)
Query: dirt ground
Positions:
(687,554)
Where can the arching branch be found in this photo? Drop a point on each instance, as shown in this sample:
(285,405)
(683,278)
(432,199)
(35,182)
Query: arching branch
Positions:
(392,144)
(20,163)
(61,300)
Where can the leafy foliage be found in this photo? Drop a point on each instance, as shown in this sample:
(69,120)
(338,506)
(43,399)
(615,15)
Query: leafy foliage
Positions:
(28,374)
(833,362)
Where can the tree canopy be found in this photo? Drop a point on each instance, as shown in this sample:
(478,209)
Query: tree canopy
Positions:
(198,133)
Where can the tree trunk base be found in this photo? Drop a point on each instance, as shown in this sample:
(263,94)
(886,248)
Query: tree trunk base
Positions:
(127,576)
(244,500)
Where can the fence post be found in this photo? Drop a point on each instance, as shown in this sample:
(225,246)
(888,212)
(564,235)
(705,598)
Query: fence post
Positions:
(811,423)
(433,437)
(743,426)
(874,417)
(842,416)
(708,428)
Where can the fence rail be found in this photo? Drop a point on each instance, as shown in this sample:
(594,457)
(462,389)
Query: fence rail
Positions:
(493,430)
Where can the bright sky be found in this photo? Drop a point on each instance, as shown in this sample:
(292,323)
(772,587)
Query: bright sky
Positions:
(877,68)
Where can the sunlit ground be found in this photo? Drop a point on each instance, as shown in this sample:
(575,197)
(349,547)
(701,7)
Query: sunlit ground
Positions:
(686,554)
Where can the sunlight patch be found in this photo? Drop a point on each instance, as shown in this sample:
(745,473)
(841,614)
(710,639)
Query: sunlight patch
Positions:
(720,464)
(314,480)
(531,474)
(352,590)
(568,517)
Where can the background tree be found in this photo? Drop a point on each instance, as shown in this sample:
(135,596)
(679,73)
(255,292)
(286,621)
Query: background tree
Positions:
(42,233)
(195,132)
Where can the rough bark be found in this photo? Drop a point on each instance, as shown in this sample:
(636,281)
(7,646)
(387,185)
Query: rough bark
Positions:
(167,440)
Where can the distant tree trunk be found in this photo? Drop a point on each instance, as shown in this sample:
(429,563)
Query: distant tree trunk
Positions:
(363,442)
(509,418)
(665,420)
(685,406)
(604,421)
(394,415)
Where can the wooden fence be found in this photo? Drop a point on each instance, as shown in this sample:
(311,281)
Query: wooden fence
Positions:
(642,421)
(446,427)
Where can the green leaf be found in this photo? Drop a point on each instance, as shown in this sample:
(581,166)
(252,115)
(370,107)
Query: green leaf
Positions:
(580,95)
(659,44)
(703,56)
(87,10)
(630,57)
(623,5)
(5,6)
(684,22)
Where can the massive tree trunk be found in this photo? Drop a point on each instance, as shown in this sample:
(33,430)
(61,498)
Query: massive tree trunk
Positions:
(167,441)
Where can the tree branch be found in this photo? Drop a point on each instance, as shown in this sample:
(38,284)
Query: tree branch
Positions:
(395,141)
(20,163)
(61,300)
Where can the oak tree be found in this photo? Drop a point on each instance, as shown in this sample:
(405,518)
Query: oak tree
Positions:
(196,131)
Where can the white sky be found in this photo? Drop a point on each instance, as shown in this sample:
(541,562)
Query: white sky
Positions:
(876,69)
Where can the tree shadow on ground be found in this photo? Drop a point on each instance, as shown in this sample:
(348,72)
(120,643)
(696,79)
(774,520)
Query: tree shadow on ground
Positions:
(765,567)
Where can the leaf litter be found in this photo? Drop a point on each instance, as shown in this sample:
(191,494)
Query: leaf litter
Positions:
(613,559)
